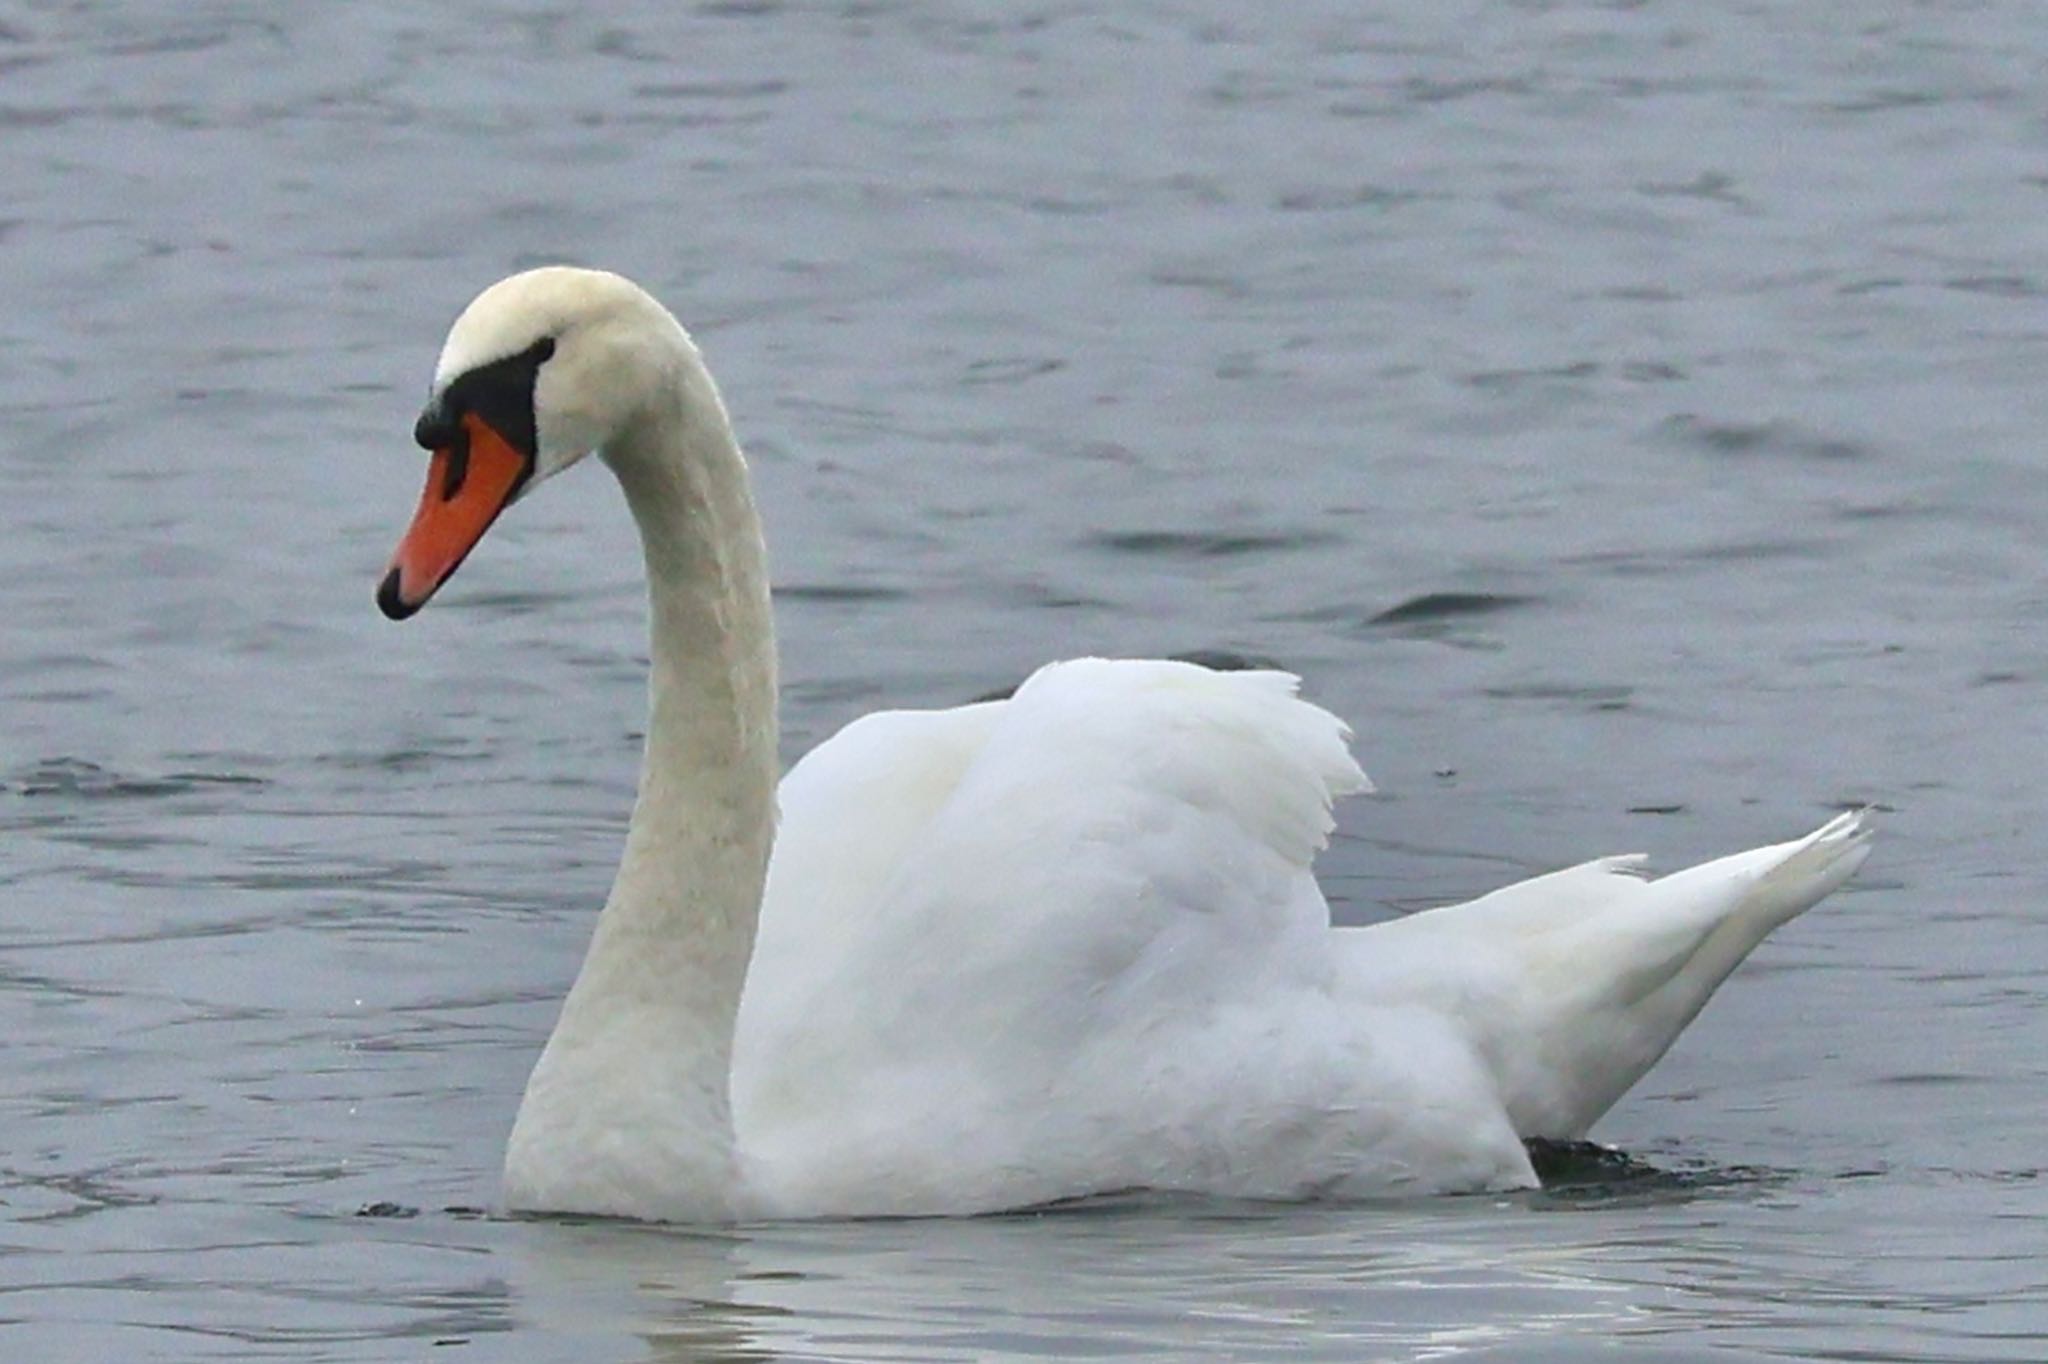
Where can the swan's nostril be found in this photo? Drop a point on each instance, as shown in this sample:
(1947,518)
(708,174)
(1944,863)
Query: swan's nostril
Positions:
(458,467)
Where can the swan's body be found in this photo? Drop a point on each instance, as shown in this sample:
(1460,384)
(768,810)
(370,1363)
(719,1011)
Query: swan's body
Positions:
(1023,950)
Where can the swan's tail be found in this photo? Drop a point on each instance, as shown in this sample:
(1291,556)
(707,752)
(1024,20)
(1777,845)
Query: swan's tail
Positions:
(1648,968)
(1798,875)
(1574,984)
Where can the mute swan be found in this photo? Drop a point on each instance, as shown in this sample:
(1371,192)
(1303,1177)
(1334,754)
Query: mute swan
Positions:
(1021,950)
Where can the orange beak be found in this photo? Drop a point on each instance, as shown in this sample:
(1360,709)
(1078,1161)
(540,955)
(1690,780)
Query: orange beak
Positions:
(466,489)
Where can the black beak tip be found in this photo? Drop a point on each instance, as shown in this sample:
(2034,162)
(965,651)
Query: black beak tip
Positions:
(390,602)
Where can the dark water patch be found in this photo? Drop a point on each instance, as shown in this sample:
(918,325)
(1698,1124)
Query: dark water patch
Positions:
(1752,551)
(839,594)
(1591,695)
(1566,1162)
(1642,293)
(1758,439)
(409,759)
(712,89)
(1045,597)
(388,1210)
(1715,186)
(1442,617)
(1508,380)
(1011,369)
(63,1196)
(1329,198)
(1216,284)
(48,987)
(2024,1175)
(1060,207)
(106,841)
(62,662)
(1047,203)
(1885,101)
(1922,1079)
(1101,452)
(1876,284)
(1427,90)
(1582,1175)
(65,696)
(75,778)
(1207,544)
(1623,563)
(741,9)
(1905,508)
(1996,286)
(1436,608)
(1230,661)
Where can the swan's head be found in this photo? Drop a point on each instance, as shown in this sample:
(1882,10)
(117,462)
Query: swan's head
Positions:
(541,369)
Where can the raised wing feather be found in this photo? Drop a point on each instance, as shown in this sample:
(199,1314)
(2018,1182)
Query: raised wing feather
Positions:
(849,814)
(1120,818)
(1121,848)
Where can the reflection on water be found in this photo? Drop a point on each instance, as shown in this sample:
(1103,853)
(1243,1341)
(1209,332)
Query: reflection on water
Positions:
(1476,1276)
(1615,411)
(1070,1285)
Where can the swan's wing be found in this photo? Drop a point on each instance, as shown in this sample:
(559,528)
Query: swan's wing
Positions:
(1102,891)
(1100,805)
(1122,820)
(850,812)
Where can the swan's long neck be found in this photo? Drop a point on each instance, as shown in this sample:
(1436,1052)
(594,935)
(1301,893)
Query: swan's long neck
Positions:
(634,1081)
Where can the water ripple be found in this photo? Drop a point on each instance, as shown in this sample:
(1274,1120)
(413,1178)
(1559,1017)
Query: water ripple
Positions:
(77,779)
(1433,608)
(1190,544)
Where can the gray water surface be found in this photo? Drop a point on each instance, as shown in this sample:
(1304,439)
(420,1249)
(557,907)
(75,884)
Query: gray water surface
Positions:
(1628,415)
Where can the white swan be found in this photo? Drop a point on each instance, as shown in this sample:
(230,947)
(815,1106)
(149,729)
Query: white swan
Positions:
(1022,950)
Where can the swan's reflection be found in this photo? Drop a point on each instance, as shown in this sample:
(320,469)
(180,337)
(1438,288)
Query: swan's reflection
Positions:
(1155,1280)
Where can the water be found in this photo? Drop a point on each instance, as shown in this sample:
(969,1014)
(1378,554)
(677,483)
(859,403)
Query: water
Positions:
(1628,414)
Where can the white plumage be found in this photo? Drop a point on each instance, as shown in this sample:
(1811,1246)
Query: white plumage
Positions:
(1038,948)
(1108,965)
